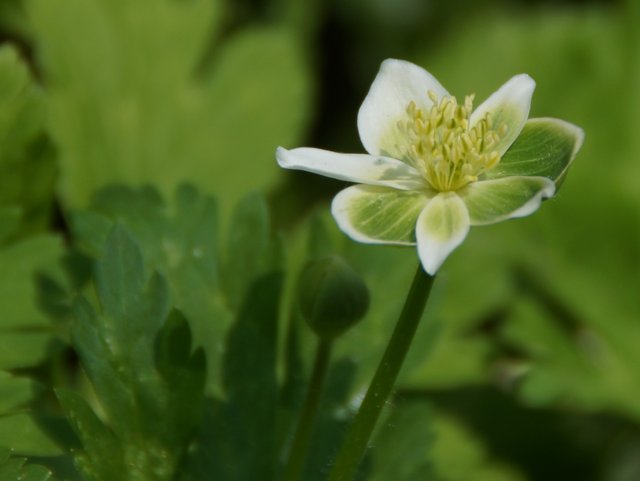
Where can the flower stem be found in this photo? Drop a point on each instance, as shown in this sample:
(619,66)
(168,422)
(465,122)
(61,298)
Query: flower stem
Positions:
(357,437)
(302,436)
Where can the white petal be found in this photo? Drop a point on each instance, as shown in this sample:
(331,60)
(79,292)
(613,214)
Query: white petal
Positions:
(546,147)
(491,201)
(508,106)
(378,215)
(441,227)
(360,168)
(397,84)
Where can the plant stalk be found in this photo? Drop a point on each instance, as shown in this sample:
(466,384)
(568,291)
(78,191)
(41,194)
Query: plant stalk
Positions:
(357,438)
(302,437)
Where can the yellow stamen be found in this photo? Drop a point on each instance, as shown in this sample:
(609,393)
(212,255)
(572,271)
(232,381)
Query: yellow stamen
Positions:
(444,149)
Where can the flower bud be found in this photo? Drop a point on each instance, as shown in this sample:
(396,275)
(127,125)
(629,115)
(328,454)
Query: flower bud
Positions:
(332,297)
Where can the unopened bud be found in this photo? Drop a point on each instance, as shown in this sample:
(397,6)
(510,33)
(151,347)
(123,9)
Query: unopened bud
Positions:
(332,297)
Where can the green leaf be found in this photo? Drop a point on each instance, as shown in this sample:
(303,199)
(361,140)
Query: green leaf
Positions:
(142,211)
(138,358)
(15,391)
(546,147)
(245,424)
(401,447)
(26,333)
(21,262)
(156,120)
(250,379)
(99,363)
(10,219)
(133,309)
(180,239)
(120,274)
(238,123)
(21,105)
(21,430)
(247,247)
(23,433)
(458,455)
(183,373)
(22,349)
(12,17)
(137,107)
(577,354)
(103,458)
(116,343)
(15,469)
(26,160)
(193,268)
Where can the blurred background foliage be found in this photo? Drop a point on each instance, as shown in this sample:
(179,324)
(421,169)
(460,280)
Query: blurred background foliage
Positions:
(527,366)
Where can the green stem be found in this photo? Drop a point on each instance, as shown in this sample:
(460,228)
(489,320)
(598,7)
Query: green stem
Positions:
(384,379)
(302,436)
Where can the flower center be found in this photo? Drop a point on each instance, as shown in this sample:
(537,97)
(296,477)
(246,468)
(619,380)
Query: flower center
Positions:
(444,148)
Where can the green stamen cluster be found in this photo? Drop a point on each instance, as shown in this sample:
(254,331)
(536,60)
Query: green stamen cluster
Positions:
(444,149)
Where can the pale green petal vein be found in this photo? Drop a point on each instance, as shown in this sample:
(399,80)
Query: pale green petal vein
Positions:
(509,108)
(546,147)
(441,227)
(378,215)
(492,201)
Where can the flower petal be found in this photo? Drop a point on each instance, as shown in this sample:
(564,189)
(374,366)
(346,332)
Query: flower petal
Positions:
(441,227)
(492,201)
(378,215)
(508,106)
(361,168)
(546,147)
(397,84)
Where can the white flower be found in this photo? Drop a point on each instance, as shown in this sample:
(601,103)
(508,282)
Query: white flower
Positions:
(435,167)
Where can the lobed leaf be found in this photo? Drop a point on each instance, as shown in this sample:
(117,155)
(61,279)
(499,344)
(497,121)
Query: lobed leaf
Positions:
(160,117)
(26,436)
(247,247)
(27,334)
(27,167)
(138,358)
(15,391)
(103,457)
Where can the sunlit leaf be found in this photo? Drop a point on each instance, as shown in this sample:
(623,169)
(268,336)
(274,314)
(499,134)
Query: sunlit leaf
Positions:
(15,391)
(24,435)
(158,117)
(27,334)
(26,159)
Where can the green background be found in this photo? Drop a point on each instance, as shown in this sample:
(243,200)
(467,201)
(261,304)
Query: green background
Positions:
(527,365)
